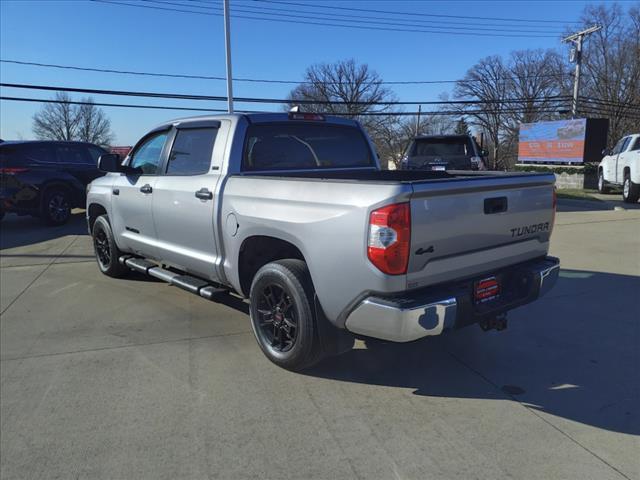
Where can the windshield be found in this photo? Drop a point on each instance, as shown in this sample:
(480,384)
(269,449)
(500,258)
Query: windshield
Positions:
(442,147)
(286,146)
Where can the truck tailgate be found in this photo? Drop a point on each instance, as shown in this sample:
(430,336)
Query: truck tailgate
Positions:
(471,226)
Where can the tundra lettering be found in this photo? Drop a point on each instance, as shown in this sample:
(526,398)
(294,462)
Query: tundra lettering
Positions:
(529,229)
(294,213)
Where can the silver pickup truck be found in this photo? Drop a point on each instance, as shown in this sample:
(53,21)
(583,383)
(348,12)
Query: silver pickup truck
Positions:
(293,212)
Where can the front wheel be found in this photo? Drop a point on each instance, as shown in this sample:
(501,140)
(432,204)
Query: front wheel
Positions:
(602,187)
(106,250)
(630,190)
(282,314)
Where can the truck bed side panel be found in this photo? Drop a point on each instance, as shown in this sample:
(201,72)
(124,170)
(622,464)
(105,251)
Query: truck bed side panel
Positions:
(326,221)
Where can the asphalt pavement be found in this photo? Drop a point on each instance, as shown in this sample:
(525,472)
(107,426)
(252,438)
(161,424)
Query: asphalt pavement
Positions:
(135,379)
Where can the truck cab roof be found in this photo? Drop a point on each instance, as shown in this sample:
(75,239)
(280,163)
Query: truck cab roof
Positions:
(258,118)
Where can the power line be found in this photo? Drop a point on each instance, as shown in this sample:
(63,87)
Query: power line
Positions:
(425,22)
(363,114)
(253,80)
(360,27)
(182,96)
(99,104)
(388,12)
(366,19)
(610,103)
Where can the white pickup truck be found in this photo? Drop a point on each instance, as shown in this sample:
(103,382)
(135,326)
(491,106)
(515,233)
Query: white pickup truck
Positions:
(621,167)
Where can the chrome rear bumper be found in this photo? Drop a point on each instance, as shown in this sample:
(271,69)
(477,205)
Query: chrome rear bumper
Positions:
(432,311)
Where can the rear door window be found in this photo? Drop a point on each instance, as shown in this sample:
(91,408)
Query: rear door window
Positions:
(292,146)
(34,153)
(191,151)
(73,154)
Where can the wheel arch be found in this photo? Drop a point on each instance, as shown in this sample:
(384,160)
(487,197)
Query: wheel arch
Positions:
(258,250)
(93,212)
(66,185)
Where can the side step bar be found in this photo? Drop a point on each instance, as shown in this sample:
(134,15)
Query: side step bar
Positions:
(186,282)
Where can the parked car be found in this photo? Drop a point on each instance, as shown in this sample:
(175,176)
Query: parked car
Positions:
(46,178)
(444,152)
(620,167)
(294,212)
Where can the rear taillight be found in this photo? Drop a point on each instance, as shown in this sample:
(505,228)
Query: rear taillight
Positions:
(389,238)
(13,170)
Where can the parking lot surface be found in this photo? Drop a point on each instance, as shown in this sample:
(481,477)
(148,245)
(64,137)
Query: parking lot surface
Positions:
(123,379)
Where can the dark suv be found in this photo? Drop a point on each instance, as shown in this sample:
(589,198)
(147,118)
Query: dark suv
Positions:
(444,152)
(46,179)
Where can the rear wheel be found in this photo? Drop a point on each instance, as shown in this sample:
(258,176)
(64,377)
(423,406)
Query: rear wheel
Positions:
(282,314)
(630,190)
(602,187)
(106,250)
(56,206)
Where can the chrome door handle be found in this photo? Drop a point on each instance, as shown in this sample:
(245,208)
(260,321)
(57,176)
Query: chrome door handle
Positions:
(204,194)
(146,188)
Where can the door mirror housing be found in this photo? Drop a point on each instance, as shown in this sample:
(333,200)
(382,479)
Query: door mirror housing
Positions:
(606,151)
(484,153)
(109,162)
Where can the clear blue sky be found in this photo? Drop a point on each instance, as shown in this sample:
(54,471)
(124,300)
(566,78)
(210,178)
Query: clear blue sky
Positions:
(91,34)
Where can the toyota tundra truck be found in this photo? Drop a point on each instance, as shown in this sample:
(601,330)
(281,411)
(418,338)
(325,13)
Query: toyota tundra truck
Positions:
(293,212)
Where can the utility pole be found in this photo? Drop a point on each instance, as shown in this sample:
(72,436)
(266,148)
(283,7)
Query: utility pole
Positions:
(577,39)
(227,44)
(418,120)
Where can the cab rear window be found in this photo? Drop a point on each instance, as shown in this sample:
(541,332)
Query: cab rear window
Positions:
(295,146)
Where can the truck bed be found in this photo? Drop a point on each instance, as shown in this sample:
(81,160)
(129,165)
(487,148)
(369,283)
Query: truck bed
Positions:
(463,223)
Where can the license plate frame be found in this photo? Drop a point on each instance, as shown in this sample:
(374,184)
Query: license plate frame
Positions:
(487,289)
(438,168)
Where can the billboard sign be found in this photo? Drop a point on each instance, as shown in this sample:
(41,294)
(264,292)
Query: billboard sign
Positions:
(560,141)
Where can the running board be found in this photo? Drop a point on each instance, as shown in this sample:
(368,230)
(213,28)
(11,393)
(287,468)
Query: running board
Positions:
(186,282)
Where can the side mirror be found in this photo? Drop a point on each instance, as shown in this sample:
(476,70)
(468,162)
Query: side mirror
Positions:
(109,162)
(484,153)
(606,152)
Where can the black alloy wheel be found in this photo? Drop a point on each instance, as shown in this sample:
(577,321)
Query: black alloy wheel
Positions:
(103,251)
(56,209)
(105,248)
(277,322)
(283,314)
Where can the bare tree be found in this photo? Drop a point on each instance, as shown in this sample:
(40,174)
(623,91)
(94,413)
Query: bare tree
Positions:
(63,120)
(56,121)
(485,82)
(359,91)
(93,124)
(525,88)
(611,68)
(357,87)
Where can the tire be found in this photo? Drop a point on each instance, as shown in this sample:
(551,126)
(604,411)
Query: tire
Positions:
(602,186)
(282,314)
(630,190)
(105,248)
(56,206)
